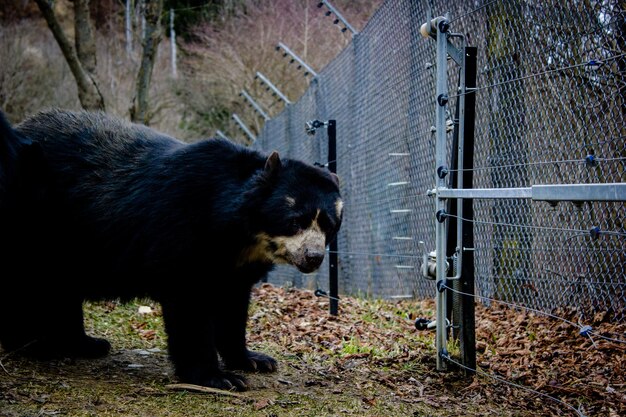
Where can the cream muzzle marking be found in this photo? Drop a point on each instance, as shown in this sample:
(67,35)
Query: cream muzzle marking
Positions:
(304,250)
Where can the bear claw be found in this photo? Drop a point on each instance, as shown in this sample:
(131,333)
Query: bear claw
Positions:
(223,380)
(253,362)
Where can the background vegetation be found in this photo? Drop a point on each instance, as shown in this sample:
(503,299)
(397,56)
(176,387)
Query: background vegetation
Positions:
(221,44)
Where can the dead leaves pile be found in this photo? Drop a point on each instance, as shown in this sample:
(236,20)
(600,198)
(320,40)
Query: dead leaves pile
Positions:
(375,342)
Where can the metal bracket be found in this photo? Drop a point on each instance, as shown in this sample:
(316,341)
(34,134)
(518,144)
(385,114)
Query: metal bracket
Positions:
(312,125)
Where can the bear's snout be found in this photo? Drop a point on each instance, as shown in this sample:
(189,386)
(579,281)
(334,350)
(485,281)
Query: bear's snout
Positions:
(313,258)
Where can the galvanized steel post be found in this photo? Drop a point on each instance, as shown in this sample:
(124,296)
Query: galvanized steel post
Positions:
(440,168)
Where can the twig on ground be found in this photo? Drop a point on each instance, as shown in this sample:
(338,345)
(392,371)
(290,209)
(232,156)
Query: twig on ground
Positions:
(209,390)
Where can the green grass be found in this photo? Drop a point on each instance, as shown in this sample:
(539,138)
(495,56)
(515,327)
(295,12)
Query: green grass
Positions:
(369,362)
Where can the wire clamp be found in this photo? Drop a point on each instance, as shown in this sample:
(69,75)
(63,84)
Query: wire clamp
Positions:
(444,353)
(585,331)
(427,324)
(322,293)
(594,232)
(442,285)
(441,215)
(594,65)
(312,125)
(591,161)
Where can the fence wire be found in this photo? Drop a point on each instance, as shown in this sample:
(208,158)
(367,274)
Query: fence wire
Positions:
(551,106)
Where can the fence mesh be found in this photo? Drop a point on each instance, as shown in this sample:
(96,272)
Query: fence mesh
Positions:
(550,110)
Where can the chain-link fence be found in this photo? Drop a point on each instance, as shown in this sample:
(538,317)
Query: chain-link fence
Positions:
(550,109)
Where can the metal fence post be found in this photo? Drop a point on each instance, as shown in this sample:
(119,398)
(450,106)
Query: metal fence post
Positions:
(333,271)
(440,166)
(333,275)
(464,304)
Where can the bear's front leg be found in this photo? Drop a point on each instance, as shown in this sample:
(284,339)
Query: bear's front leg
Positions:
(231,335)
(191,344)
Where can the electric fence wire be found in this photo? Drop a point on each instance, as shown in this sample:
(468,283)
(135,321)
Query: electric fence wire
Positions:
(327,163)
(381,203)
(590,144)
(585,330)
(581,232)
(538,74)
(382,255)
(522,387)
(473,11)
(506,280)
(565,161)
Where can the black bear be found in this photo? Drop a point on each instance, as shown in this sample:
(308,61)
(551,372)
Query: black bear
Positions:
(122,211)
(19,164)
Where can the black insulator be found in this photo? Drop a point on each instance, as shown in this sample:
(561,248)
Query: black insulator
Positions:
(320,4)
(421,324)
(278,47)
(344,29)
(328,13)
(335,21)
(444,25)
(590,160)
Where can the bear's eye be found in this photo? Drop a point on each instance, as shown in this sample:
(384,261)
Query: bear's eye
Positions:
(326,223)
(300,222)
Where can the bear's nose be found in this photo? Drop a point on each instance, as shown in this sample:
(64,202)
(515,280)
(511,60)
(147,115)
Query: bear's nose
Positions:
(313,258)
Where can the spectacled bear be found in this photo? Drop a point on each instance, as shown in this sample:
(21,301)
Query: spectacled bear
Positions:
(19,164)
(127,212)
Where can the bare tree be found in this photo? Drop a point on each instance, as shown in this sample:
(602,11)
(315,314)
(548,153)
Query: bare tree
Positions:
(152,37)
(81,58)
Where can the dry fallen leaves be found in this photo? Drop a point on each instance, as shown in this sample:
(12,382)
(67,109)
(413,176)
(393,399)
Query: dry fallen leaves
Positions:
(532,350)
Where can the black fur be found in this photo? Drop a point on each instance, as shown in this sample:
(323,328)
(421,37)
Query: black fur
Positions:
(20,162)
(129,212)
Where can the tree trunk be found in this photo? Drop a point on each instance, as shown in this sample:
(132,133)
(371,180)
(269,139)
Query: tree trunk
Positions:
(139,108)
(84,40)
(88,93)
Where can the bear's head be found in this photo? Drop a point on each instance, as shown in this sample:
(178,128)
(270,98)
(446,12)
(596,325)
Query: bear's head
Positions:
(299,215)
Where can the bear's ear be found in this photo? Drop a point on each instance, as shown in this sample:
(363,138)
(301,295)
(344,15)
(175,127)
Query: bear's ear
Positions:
(335,178)
(272,165)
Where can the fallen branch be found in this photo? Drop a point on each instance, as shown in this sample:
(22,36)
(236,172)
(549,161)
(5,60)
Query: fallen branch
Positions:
(209,390)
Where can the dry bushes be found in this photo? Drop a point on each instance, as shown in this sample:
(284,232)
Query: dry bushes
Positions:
(228,53)
(221,60)
(33,74)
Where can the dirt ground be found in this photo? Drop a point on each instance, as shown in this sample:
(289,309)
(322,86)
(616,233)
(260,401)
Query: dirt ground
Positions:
(368,361)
